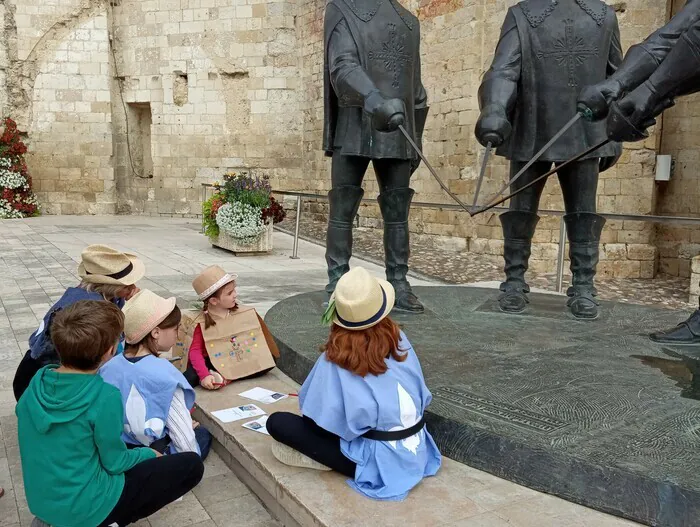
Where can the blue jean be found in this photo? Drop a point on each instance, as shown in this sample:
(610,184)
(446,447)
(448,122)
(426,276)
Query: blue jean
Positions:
(201,434)
(204,440)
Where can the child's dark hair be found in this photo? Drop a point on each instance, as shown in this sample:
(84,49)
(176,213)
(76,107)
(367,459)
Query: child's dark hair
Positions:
(148,342)
(83,332)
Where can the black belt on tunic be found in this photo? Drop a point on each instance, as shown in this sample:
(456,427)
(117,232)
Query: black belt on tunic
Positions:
(397,435)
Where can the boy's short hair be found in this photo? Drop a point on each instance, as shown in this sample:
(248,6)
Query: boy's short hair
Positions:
(83,332)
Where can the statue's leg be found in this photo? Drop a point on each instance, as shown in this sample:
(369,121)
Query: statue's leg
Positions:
(344,200)
(394,199)
(518,229)
(579,183)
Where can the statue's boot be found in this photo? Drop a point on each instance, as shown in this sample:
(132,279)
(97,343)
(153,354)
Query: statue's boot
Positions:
(395,205)
(584,230)
(687,332)
(344,202)
(518,230)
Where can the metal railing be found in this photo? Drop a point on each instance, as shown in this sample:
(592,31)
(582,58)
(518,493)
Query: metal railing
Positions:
(561,255)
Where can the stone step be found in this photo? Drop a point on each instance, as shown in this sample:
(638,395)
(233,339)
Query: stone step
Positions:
(458,495)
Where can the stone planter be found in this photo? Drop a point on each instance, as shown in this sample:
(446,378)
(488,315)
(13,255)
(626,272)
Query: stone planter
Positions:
(263,244)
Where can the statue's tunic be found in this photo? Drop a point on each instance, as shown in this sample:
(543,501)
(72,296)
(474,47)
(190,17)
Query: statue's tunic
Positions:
(370,45)
(548,51)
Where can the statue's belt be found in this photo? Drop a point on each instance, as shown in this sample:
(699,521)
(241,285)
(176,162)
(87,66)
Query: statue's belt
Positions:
(396,435)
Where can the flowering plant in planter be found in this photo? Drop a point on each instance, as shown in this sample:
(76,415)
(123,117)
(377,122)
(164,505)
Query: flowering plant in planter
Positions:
(242,208)
(16,197)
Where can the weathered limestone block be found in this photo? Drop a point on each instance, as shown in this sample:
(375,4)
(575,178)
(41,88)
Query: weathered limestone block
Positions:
(694,280)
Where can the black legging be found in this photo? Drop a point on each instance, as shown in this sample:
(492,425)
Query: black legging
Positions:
(23,376)
(305,436)
(152,484)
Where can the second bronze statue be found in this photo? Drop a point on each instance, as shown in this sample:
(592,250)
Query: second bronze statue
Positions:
(372,85)
(547,51)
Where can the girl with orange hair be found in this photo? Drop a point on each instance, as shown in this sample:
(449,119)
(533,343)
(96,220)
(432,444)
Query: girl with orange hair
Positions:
(362,404)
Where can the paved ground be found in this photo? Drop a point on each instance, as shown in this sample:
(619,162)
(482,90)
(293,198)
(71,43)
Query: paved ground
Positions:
(38,261)
(464,268)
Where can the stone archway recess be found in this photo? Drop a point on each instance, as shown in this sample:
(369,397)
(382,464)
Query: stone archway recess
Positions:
(21,74)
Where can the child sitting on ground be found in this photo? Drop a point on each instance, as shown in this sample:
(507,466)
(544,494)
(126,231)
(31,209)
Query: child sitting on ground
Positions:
(362,404)
(106,274)
(157,398)
(76,468)
(217,289)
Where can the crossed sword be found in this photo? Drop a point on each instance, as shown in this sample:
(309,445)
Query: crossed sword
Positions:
(473,210)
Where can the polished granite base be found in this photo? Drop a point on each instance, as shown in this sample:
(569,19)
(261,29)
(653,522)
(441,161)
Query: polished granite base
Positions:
(592,412)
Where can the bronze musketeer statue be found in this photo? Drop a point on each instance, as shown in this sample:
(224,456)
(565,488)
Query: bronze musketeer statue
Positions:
(372,84)
(548,50)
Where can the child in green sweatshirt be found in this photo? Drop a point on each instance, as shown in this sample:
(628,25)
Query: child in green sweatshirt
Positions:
(77,470)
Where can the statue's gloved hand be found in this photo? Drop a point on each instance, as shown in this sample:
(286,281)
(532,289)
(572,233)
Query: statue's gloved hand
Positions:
(594,101)
(492,127)
(607,163)
(387,114)
(638,110)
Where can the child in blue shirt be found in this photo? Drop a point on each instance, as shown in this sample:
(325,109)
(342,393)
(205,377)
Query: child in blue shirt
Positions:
(106,274)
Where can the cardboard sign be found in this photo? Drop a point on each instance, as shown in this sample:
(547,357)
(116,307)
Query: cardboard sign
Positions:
(237,346)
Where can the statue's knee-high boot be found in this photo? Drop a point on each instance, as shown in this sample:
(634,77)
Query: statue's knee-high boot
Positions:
(344,202)
(395,205)
(518,230)
(584,229)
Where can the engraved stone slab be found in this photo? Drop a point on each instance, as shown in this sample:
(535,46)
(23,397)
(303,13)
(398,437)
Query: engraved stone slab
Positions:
(593,412)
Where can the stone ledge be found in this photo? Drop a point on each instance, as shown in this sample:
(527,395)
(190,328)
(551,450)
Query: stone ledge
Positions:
(458,495)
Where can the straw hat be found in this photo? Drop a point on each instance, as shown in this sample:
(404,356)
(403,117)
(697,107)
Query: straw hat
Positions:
(210,280)
(143,312)
(103,265)
(361,301)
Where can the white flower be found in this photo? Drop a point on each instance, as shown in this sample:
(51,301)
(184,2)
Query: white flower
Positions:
(240,220)
(9,178)
(7,212)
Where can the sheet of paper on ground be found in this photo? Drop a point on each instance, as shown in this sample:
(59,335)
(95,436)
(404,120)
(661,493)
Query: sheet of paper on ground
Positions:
(259,425)
(245,411)
(263,395)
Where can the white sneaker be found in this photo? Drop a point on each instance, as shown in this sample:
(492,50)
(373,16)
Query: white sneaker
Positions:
(294,458)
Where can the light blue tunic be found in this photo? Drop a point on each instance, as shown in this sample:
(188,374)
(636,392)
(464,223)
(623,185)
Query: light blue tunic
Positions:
(147,388)
(349,405)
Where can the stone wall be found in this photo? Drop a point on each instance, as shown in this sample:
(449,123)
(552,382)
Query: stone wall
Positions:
(130,105)
(218,82)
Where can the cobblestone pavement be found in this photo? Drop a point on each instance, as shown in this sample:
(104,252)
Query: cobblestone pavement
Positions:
(463,268)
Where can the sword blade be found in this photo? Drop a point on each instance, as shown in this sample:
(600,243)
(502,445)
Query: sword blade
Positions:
(432,170)
(482,171)
(543,176)
(542,150)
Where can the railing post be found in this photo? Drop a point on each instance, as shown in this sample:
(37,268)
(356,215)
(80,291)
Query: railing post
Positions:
(204,198)
(560,254)
(296,231)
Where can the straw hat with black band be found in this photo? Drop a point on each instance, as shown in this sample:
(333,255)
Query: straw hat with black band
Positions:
(360,300)
(101,264)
